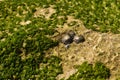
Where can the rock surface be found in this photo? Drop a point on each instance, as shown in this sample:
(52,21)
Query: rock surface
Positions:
(103,47)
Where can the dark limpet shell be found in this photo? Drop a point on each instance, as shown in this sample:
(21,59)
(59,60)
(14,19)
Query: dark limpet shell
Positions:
(71,33)
(78,39)
(66,39)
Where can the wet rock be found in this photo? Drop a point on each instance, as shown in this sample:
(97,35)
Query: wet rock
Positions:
(66,39)
(77,39)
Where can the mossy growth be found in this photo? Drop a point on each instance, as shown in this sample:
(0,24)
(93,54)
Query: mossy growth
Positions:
(22,47)
(86,71)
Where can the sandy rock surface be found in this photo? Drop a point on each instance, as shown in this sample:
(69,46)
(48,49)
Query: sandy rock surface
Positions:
(104,47)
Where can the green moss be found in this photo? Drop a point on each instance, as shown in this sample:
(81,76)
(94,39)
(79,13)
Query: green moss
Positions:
(28,41)
(32,39)
(105,14)
(87,71)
